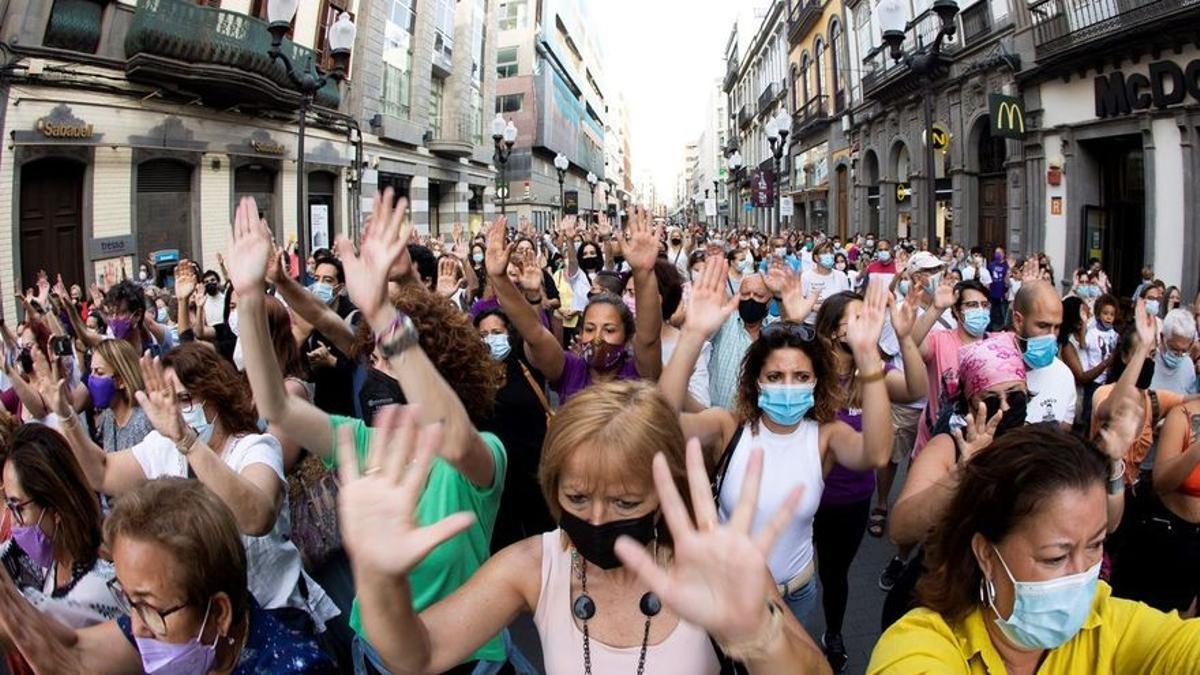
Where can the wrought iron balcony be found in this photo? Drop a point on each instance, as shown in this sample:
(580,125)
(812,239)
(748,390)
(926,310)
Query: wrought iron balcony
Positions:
(216,54)
(1071,27)
(802,17)
(456,136)
(812,117)
(771,93)
(731,72)
(886,78)
(745,115)
(976,22)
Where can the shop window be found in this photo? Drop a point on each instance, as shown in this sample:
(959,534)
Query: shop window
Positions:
(75,25)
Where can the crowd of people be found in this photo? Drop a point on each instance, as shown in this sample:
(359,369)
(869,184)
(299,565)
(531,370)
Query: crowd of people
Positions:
(664,443)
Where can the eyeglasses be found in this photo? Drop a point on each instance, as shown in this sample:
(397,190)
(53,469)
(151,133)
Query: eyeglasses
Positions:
(154,619)
(185,402)
(977,304)
(16,508)
(801,330)
(1016,398)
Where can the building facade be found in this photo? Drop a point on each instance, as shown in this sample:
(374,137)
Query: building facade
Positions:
(818,98)
(551,86)
(756,85)
(136,126)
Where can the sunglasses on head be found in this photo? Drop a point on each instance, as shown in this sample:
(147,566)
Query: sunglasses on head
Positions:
(801,330)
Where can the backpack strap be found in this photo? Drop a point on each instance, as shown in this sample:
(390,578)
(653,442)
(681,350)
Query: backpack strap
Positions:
(723,463)
(1155,407)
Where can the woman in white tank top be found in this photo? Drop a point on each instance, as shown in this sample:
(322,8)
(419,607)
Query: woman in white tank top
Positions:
(600,606)
(785,404)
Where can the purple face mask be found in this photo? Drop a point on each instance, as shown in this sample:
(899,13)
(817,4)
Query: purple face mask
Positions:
(102,388)
(188,658)
(120,328)
(34,542)
(601,355)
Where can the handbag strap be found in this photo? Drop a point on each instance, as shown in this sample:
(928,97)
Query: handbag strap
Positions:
(541,395)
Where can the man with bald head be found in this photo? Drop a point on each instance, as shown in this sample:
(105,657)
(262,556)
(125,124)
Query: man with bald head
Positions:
(1037,315)
(730,343)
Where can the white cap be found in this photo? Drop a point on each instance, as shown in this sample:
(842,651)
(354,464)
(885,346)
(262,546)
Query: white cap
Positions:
(924,260)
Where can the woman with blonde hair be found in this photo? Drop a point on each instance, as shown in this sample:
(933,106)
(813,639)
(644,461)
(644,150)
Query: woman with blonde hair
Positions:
(115,378)
(626,584)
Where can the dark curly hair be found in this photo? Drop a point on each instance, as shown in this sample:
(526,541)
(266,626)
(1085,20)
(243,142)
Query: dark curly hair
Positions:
(129,294)
(454,347)
(786,335)
(213,379)
(999,488)
(617,303)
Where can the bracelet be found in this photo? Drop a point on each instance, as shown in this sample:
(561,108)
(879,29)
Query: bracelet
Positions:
(874,376)
(533,302)
(185,444)
(756,645)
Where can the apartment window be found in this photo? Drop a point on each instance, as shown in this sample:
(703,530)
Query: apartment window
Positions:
(397,59)
(443,28)
(837,57)
(819,64)
(330,11)
(506,62)
(513,14)
(510,103)
(437,89)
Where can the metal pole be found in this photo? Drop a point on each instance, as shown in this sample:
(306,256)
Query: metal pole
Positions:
(302,181)
(504,182)
(562,205)
(930,174)
(778,198)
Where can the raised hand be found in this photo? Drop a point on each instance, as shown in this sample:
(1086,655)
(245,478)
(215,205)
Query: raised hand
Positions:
(377,507)
(863,335)
(603,227)
(159,402)
(567,226)
(46,381)
(796,305)
(447,280)
(642,248)
(978,433)
(709,307)
(1146,325)
(718,579)
(943,296)
(1118,433)
(531,274)
(498,251)
(904,316)
(96,293)
(59,287)
(250,255)
(1032,270)
(185,280)
(382,256)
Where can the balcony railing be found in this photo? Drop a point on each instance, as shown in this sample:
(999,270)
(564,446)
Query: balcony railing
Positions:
(1062,25)
(731,72)
(771,93)
(976,21)
(219,54)
(745,115)
(802,17)
(881,69)
(456,136)
(812,116)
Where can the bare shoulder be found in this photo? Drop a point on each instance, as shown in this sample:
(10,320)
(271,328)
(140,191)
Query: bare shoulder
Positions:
(519,566)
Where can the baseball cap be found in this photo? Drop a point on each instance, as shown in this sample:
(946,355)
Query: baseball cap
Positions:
(924,260)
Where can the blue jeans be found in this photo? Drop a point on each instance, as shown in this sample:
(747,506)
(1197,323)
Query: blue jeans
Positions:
(364,653)
(803,603)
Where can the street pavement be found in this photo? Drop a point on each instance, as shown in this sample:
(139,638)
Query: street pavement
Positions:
(860,628)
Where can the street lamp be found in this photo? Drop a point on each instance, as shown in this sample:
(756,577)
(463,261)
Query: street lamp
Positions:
(592,180)
(927,64)
(308,80)
(735,165)
(561,165)
(717,201)
(504,135)
(777,133)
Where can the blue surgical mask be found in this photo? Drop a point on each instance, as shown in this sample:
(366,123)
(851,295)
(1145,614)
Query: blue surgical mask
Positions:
(746,266)
(323,291)
(477,257)
(931,286)
(499,345)
(1152,307)
(1040,351)
(976,321)
(162,315)
(1172,360)
(1047,614)
(826,260)
(903,287)
(198,422)
(786,404)
(885,256)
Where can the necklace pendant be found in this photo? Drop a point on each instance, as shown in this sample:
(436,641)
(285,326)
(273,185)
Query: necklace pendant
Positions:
(584,607)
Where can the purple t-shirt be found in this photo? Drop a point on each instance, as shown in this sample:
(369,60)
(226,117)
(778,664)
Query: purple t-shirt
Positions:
(576,376)
(998,269)
(844,486)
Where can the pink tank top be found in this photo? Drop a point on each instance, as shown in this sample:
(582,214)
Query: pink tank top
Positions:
(686,650)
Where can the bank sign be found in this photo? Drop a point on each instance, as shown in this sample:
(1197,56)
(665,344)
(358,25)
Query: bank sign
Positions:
(1165,84)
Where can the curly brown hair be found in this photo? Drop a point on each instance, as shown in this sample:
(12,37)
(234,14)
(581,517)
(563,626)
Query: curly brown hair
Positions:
(213,379)
(787,335)
(452,343)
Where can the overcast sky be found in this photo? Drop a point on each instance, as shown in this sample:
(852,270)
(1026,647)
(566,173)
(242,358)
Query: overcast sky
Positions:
(664,55)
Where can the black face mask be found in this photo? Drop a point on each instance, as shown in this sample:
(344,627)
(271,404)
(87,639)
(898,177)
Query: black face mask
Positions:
(25,358)
(592,264)
(752,311)
(211,287)
(676,242)
(378,391)
(1147,375)
(595,542)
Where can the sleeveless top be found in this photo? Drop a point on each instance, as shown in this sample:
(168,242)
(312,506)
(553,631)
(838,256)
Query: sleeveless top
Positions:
(788,460)
(686,650)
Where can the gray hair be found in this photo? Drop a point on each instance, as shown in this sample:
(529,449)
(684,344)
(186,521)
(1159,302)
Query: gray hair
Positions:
(1179,323)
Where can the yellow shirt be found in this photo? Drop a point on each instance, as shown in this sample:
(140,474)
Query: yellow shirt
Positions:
(1119,636)
(566,297)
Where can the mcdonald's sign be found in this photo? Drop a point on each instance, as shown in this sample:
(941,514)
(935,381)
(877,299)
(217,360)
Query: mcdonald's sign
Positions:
(1008,118)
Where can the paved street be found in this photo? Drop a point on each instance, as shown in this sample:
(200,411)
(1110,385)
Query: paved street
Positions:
(861,628)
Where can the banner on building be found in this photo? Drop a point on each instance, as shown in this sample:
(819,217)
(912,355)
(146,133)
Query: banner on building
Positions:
(762,189)
(1008,118)
(571,202)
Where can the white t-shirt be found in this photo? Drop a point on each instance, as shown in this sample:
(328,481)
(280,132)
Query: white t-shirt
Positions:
(698,382)
(214,309)
(832,284)
(1098,344)
(581,285)
(272,560)
(968,272)
(1052,394)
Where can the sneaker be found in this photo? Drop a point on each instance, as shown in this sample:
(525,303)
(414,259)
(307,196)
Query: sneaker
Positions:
(887,580)
(835,651)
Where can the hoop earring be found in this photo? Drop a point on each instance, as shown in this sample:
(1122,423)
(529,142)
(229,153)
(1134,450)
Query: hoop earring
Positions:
(987,592)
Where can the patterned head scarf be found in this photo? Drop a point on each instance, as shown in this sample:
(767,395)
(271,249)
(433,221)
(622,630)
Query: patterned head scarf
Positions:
(989,362)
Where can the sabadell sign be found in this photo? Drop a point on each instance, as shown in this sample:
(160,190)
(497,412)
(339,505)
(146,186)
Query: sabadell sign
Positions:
(1165,84)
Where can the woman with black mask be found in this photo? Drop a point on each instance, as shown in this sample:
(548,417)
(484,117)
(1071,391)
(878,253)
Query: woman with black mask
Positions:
(991,400)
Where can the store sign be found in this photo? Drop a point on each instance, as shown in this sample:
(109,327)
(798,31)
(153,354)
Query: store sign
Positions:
(1056,206)
(267,147)
(941,136)
(1165,84)
(1008,118)
(903,192)
(762,189)
(53,128)
(571,202)
(786,207)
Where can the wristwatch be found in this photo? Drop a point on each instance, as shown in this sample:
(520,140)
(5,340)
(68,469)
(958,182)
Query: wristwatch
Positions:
(185,444)
(398,337)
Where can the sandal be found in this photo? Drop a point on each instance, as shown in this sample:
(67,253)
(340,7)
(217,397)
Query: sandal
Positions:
(877,522)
